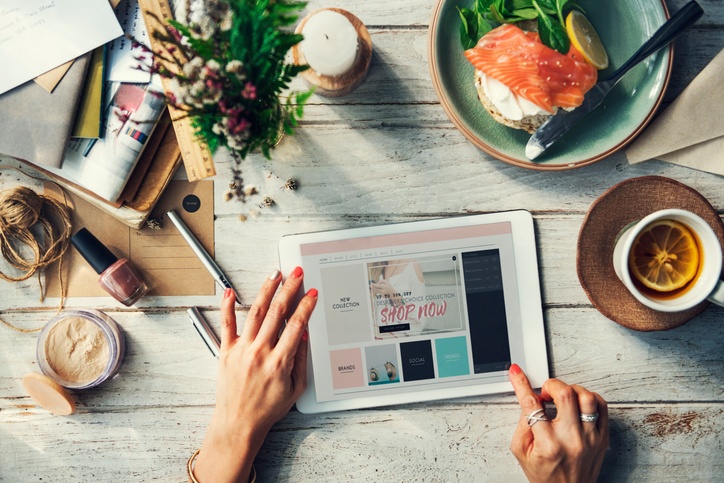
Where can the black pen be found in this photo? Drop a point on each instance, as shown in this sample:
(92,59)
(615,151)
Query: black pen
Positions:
(204,330)
(203,255)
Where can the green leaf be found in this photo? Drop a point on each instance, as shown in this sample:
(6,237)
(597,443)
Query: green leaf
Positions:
(548,6)
(468,27)
(496,14)
(560,4)
(513,5)
(473,26)
(483,27)
(483,5)
(553,34)
(525,13)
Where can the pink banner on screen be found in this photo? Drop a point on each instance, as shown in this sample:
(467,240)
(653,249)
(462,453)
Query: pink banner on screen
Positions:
(428,236)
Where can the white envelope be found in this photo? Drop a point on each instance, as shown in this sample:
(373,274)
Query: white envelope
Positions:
(689,132)
(39,35)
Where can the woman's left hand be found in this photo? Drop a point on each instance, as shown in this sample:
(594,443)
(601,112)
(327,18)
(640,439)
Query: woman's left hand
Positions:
(261,375)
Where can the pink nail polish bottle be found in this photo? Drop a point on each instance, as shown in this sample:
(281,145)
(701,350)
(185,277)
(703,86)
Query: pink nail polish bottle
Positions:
(118,277)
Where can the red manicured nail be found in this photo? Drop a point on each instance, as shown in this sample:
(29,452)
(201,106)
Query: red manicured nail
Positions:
(515,369)
(305,336)
(228,293)
(312,293)
(297,272)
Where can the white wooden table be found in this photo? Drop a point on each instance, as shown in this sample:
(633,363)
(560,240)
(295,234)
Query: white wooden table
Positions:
(386,153)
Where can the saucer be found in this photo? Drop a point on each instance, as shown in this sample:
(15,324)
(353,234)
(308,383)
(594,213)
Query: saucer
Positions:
(622,204)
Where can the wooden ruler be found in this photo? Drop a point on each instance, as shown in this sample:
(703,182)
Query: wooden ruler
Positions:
(196,155)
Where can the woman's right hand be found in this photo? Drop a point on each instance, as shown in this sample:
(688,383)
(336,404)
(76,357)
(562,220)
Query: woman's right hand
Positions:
(564,449)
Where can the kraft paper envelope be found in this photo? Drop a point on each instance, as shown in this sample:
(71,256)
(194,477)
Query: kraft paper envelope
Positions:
(50,79)
(163,257)
(689,132)
(36,125)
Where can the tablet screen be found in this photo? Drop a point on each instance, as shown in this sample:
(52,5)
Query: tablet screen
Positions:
(406,312)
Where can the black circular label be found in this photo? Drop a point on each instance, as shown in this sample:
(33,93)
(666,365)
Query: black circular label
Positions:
(191,203)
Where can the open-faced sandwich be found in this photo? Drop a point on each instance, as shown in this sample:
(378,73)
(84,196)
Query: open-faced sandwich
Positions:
(524,75)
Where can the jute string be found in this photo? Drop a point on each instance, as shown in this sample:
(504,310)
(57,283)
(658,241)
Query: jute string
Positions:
(23,212)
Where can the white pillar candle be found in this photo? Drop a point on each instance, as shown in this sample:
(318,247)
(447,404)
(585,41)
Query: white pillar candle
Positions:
(330,43)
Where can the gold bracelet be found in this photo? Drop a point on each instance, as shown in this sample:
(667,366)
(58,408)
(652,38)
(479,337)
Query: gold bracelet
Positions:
(190,469)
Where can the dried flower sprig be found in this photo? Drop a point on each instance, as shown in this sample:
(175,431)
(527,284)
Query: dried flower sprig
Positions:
(228,73)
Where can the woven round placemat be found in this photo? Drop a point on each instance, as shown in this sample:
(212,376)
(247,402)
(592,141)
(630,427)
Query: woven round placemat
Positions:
(622,204)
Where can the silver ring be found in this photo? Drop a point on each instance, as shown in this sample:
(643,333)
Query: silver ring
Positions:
(537,415)
(588,418)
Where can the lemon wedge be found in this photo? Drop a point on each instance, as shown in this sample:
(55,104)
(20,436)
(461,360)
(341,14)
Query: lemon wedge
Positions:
(586,40)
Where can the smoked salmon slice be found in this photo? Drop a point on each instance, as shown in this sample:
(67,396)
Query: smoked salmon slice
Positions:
(532,70)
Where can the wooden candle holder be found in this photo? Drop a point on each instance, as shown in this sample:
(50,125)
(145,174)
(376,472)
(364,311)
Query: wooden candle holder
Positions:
(336,86)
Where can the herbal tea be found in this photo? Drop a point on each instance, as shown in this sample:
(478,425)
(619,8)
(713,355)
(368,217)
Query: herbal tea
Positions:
(670,261)
(665,259)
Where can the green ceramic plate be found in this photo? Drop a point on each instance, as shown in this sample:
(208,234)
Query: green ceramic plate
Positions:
(623,26)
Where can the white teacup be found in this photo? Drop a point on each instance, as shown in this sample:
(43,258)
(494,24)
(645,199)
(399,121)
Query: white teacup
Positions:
(706,286)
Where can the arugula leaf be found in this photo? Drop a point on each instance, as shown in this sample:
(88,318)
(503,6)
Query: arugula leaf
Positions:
(496,14)
(548,6)
(473,26)
(552,33)
(519,4)
(468,27)
(559,10)
(523,14)
(483,5)
(479,20)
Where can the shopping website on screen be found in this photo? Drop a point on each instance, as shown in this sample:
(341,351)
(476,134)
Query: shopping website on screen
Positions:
(402,312)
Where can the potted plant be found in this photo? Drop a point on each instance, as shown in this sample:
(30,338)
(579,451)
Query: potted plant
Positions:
(228,72)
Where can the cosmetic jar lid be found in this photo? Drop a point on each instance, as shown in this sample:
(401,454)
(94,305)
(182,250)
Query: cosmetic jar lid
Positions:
(48,394)
(96,253)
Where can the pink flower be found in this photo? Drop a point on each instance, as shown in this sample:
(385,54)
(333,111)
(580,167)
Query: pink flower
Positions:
(214,84)
(237,124)
(174,33)
(249,91)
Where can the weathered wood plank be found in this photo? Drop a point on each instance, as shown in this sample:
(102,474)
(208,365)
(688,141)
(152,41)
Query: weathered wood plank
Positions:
(167,365)
(466,442)
(386,153)
(247,252)
(426,171)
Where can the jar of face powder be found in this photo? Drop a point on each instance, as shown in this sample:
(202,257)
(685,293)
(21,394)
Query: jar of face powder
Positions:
(80,348)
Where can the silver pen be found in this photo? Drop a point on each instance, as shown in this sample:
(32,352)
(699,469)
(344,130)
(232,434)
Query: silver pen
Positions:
(203,255)
(204,330)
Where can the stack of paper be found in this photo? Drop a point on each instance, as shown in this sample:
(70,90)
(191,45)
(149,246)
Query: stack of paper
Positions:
(86,129)
(37,36)
(75,107)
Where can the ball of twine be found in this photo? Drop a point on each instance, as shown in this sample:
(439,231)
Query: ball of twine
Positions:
(35,224)
(19,209)
(34,231)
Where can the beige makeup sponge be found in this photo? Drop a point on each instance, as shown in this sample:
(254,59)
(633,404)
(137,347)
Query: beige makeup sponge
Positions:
(49,394)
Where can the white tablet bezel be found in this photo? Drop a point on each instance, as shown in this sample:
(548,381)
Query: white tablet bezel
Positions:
(535,362)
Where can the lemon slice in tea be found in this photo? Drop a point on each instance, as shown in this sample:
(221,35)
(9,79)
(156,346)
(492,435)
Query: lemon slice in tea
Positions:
(586,40)
(665,256)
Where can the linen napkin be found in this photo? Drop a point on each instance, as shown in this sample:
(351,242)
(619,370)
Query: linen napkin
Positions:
(689,132)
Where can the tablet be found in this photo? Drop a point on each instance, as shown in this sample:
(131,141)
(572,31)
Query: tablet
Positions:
(419,311)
